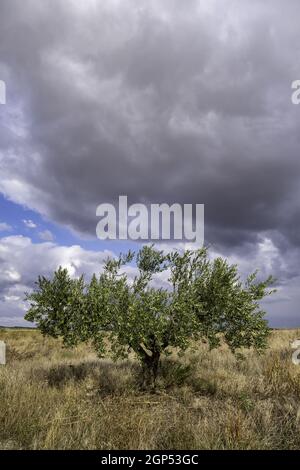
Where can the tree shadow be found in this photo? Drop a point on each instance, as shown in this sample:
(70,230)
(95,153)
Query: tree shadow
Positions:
(107,377)
(174,374)
(59,375)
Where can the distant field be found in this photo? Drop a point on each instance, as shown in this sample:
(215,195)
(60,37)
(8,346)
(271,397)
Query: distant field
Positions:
(55,398)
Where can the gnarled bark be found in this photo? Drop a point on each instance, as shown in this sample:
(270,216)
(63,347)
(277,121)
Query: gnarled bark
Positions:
(150,363)
(150,368)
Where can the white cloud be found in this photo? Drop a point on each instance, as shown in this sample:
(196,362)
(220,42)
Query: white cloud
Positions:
(46,236)
(4,227)
(12,275)
(22,261)
(29,223)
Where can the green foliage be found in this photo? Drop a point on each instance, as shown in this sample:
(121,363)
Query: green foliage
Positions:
(57,306)
(206,301)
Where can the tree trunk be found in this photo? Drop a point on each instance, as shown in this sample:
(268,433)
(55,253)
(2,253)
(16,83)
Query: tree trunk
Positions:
(150,365)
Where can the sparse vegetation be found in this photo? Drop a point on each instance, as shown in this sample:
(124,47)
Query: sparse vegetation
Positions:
(52,397)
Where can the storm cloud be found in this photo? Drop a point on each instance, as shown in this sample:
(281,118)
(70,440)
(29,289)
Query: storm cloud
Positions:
(169,101)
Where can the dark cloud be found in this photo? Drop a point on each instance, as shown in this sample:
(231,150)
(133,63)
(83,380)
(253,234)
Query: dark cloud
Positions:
(159,101)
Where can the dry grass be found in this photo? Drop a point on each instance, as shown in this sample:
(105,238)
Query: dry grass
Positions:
(53,398)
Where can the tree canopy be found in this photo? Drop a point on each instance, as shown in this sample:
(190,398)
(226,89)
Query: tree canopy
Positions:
(173,301)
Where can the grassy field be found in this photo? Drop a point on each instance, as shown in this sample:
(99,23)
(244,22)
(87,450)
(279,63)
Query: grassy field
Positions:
(55,398)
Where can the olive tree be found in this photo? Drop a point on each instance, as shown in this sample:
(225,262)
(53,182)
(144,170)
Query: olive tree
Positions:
(173,301)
